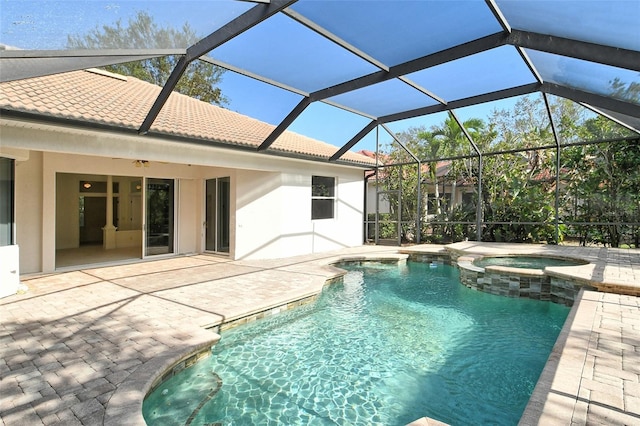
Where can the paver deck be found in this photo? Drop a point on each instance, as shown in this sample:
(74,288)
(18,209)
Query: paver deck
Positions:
(591,376)
(83,347)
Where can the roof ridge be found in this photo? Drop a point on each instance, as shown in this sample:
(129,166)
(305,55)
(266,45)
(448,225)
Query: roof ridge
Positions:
(107,73)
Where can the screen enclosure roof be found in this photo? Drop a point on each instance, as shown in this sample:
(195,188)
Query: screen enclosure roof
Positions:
(379,61)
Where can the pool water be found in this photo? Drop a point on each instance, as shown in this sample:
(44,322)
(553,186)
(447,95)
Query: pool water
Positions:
(525,262)
(388,346)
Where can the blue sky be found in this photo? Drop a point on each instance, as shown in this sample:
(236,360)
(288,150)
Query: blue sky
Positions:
(45,24)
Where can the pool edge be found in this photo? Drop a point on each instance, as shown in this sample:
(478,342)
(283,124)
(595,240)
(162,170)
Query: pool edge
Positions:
(125,405)
(561,376)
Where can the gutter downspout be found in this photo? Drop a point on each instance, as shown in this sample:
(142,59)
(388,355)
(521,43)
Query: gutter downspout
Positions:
(419,194)
(366,187)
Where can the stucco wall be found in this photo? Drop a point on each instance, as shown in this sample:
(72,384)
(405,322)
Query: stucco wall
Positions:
(67,214)
(346,230)
(274,213)
(29,212)
(188,216)
(258,204)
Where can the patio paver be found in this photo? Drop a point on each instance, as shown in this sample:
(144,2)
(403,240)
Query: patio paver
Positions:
(83,347)
(592,375)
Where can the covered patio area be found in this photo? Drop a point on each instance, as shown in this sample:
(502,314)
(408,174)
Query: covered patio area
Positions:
(84,346)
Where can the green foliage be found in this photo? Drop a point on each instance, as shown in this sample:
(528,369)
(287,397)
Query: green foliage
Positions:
(400,187)
(517,192)
(600,183)
(200,80)
(625,91)
(159,208)
(517,189)
(387,227)
(427,145)
(450,226)
(603,186)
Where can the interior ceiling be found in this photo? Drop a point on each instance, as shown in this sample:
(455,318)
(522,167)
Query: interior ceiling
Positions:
(392,60)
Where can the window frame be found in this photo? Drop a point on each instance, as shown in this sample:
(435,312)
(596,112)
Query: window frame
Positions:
(317,198)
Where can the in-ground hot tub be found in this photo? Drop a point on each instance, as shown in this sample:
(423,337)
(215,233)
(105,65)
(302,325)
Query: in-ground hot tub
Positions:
(520,276)
(526,262)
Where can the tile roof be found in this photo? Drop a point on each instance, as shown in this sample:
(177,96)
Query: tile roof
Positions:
(95,96)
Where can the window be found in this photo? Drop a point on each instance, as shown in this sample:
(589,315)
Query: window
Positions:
(323,190)
(468,201)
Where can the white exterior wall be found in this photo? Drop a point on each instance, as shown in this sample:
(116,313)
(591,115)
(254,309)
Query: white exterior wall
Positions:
(274,213)
(258,221)
(188,234)
(346,229)
(29,211)
(296,226)
(372,194)
(270,196)
(9,270)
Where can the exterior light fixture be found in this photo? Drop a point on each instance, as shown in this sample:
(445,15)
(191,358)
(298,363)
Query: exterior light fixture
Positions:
(87,185)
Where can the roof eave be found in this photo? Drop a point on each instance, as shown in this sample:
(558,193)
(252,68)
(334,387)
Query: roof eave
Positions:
(130,131)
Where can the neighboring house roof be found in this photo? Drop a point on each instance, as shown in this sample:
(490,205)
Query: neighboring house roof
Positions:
(442,167)
(102,98)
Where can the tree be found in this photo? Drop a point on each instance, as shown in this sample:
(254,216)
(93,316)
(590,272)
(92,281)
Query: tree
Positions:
(199,81)
(428,145)
(520,187)
(603,185)
(448,140)
(398,183)
(625,91)
(517,189)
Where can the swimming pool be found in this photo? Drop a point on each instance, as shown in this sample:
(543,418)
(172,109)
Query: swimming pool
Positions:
(393,343)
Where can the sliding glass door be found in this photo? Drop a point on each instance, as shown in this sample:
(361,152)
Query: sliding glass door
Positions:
(7,219)
(159,208)
(217,215)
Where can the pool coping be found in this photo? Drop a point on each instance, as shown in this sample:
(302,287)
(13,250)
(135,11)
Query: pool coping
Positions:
(467,262)
(561,376)
(125,405)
